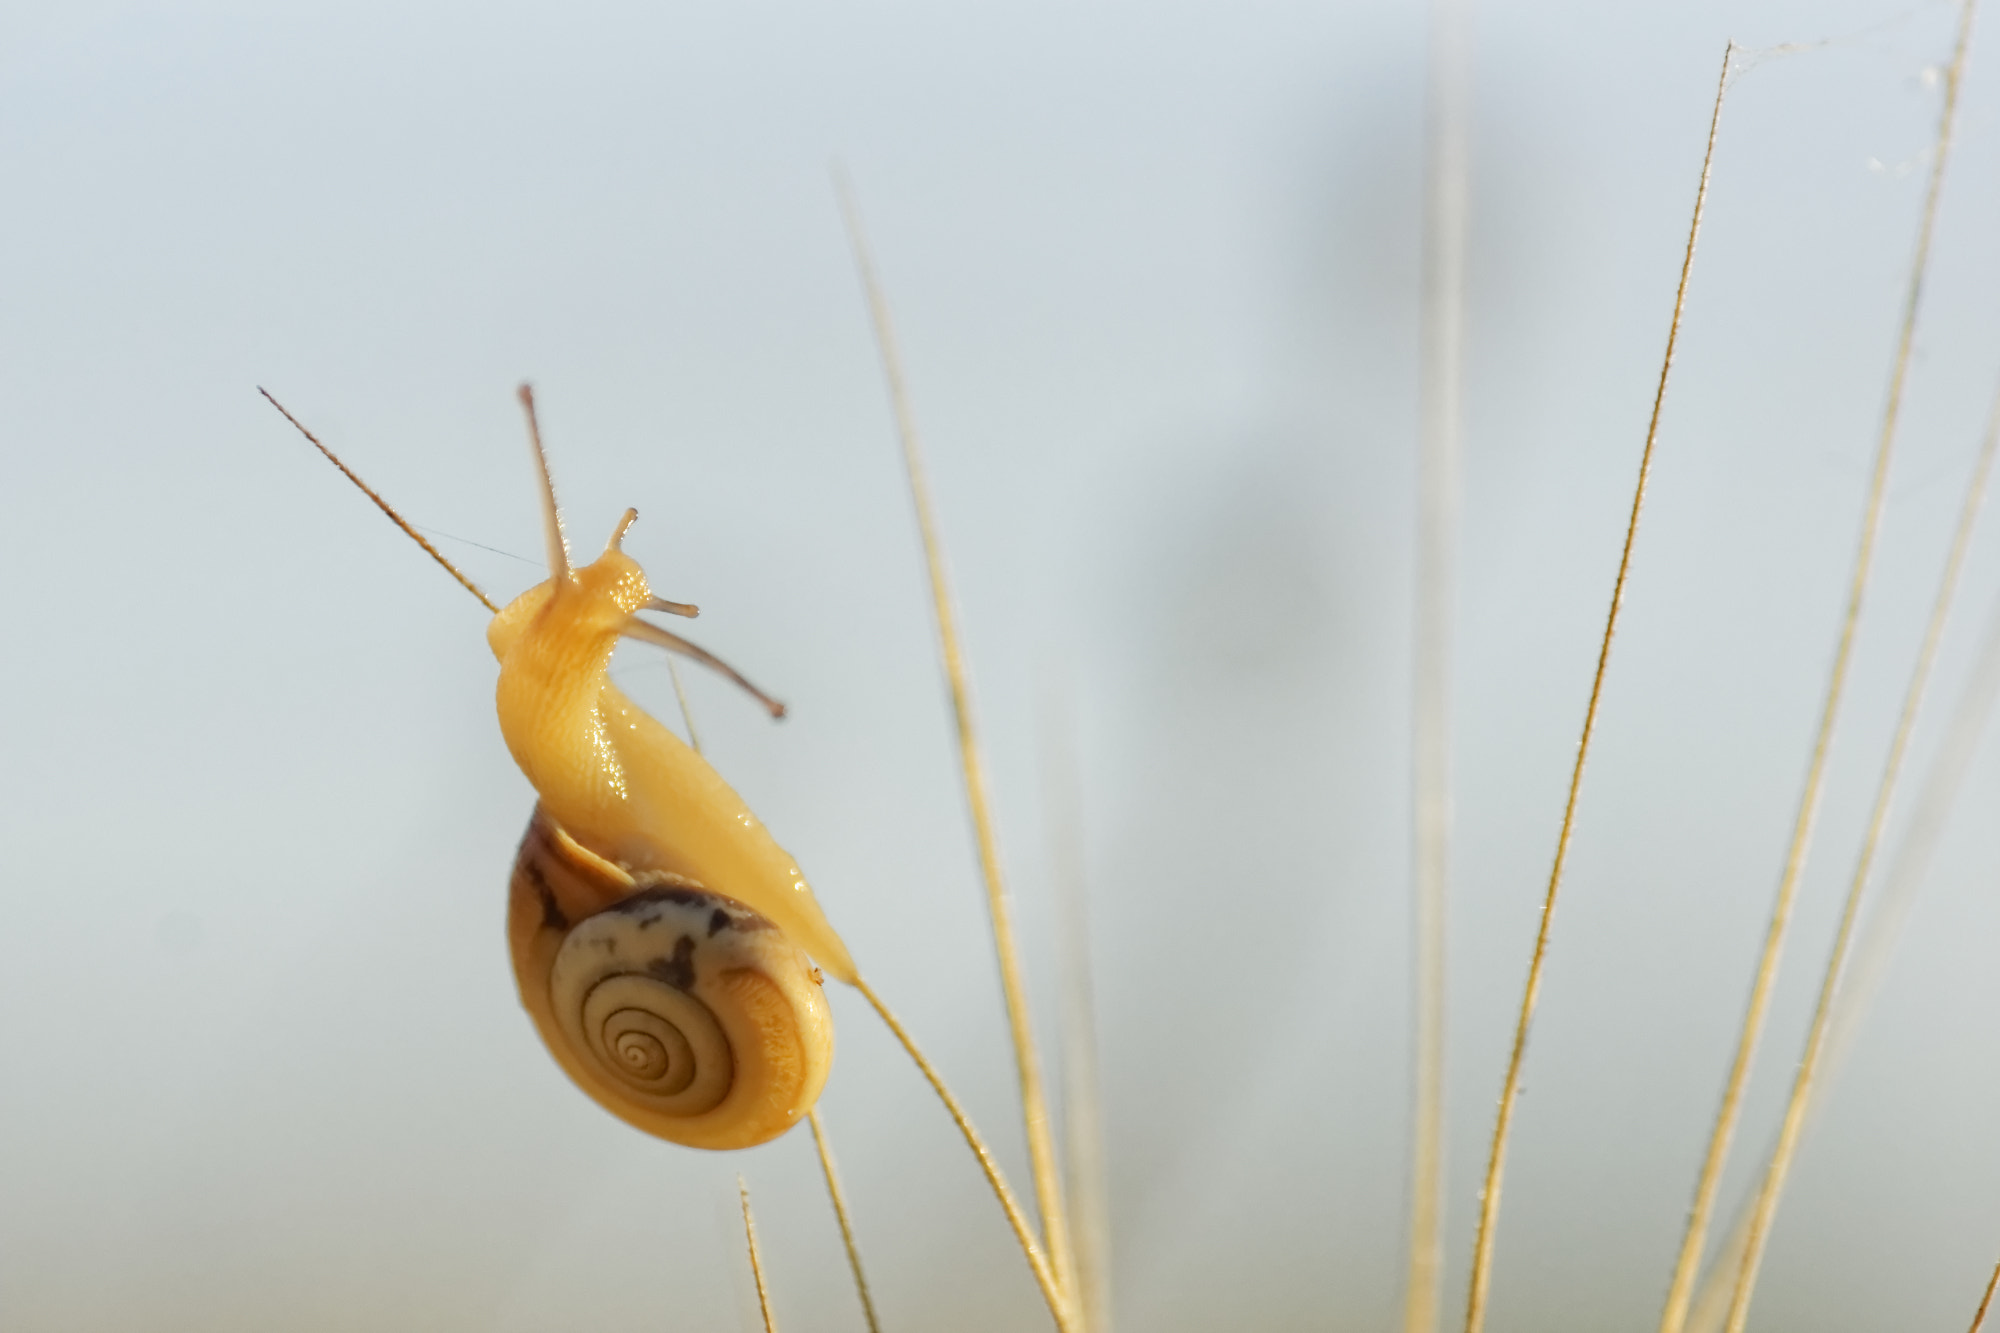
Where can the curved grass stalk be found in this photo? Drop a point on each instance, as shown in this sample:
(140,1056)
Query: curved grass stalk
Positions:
(1773,1183)
(821,1143)
(1083,1125)
(1880,931)
(756,1259)
(1489,1197)
(383,505)
(1024,1231)
(681,697)
(1441,372)
(839,1197)
(1718,1282)
(1986,1301)
(1673,1316)
(1933,807)
(1034,1104)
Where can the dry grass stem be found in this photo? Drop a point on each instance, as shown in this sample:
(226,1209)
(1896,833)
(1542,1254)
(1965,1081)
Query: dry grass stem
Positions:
(1718,1280)
(1875,936)
(552,524)
(1673,1317)
(1882,928)
(1441,372)
(681,697)
(1932,810)
(756,1259)
(1775,1172)
(1985,1301)
(820,1141)
(1083,1124)
(1034,1105)
(1016,1218)
(383,505)
(839,1198)
(1489,1197)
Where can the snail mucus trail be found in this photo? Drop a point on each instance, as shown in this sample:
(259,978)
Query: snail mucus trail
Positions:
(662,941)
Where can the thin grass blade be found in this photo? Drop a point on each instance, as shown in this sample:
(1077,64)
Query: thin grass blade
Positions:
(1479,1288)
(1034,1103)
(1440,372)
(1773,1185)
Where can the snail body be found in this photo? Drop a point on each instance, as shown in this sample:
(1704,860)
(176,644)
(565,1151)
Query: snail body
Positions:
(615,779)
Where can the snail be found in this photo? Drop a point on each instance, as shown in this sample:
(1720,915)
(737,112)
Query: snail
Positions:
(662,941)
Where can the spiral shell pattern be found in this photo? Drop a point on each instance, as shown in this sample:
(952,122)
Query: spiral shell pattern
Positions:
(679,1010)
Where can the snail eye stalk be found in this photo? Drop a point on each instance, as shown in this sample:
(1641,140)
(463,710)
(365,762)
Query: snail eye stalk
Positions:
(647,632)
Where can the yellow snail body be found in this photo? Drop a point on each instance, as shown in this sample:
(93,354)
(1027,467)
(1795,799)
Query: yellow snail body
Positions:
(662,941)
(612,776)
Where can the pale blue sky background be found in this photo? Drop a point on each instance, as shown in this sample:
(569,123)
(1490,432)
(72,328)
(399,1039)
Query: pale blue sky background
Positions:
(1155,268)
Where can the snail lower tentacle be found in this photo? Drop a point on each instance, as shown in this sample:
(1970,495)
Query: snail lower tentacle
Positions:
(677,1009)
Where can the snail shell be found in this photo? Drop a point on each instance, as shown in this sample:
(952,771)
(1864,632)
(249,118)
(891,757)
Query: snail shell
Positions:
(681,1011)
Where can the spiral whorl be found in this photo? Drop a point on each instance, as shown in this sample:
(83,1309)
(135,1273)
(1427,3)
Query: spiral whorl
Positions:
(647,1051)
(623,987)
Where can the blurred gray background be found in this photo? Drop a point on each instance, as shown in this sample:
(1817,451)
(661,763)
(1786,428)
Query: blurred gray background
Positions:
(261,1063)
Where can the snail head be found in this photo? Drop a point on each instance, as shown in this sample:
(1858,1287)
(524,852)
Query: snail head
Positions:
(578,615)
(584,610)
